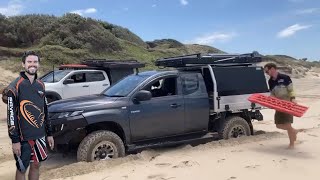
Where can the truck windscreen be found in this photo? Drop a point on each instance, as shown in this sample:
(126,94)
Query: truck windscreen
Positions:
(125,86)
(55,76)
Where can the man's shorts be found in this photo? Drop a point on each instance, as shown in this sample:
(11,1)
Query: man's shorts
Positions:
(283,118)
(32,151)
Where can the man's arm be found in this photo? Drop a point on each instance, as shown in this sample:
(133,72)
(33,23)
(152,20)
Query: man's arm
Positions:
(290,89)
(48,125)
(47,120)
(271,87)
(12,119)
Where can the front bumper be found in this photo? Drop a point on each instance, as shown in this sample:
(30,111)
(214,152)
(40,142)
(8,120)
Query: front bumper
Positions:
(68,130)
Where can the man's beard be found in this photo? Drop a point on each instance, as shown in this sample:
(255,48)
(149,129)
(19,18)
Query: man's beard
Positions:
(32,73)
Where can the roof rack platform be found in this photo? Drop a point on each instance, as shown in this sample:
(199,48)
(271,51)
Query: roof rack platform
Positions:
(210,59)
(104,64)
(113,63)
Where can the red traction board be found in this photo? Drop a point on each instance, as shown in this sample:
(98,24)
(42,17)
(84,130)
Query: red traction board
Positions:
(279,104)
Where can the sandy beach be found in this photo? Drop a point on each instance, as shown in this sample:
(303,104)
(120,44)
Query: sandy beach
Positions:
(263,156)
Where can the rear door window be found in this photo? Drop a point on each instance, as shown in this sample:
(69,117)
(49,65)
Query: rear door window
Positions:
(94,76)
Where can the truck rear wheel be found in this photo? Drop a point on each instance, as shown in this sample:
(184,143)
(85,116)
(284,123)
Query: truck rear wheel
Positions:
(234,127)
(100,145)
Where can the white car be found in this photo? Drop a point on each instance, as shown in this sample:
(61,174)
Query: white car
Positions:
(62,84)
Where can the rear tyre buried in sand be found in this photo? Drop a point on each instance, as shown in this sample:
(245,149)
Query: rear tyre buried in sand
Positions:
(100,145)
(234,127)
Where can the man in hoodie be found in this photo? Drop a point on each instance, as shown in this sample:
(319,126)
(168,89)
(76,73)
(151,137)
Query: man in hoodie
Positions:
(28,124)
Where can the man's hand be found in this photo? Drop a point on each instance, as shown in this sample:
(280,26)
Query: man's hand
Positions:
(16,148)
(50,142)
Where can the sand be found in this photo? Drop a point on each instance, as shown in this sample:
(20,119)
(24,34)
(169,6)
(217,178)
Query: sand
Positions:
(263,156)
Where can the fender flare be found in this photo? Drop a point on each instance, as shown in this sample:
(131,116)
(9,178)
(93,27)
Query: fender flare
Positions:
(52,93)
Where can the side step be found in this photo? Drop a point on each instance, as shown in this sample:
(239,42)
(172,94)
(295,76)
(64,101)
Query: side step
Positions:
(186,139)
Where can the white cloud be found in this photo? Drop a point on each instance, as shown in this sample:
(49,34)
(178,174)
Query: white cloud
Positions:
(13,8)
(90,10)
(291,30)
(211,38)
(184,2)
(154,5)
(84,11)
(308,11)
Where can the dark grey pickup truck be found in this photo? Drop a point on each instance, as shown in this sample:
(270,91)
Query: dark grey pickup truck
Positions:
(203,97)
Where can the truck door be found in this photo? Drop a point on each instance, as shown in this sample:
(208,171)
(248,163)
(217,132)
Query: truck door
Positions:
(162,115)
(79,87)
(196,102)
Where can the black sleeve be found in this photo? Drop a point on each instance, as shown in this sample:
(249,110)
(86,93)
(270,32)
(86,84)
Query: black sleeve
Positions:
(287,80)
(271,86)
(288,83)
(12,118)
(47,120)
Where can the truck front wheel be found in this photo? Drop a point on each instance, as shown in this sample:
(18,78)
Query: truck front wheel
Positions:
(234,127)
(51,98)
(100,145)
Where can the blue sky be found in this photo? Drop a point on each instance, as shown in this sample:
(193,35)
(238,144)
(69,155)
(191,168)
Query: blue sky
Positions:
(290,27)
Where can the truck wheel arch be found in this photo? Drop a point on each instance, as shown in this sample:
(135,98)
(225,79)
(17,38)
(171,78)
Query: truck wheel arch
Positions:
(107,125)
(53,95)
(100,144)
(234,122)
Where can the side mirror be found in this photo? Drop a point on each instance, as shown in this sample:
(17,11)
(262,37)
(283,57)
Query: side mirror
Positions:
(143,95)
(68,81)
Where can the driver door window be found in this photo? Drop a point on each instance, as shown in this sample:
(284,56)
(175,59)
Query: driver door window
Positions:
(79,78)
(79,88)
(163,87)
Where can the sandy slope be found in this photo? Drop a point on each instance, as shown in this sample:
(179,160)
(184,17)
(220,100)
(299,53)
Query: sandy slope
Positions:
(257,157)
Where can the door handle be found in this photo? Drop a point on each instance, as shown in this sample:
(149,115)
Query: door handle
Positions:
(85,86)
(105,84)
(175,105)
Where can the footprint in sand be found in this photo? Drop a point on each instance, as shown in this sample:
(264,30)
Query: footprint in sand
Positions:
(232,177)
(252,167)
(163,164)
(160,177)
(283,160)
(153,157)
(184,164)
(156,176)
(221,160)
(313,135)
(237,150)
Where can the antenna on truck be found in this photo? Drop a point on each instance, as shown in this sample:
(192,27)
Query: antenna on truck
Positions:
(53,73)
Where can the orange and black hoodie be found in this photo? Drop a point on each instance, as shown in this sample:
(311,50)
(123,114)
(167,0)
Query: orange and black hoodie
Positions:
(27,110)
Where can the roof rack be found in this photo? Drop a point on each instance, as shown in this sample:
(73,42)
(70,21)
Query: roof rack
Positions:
(73,66)
(210,59)
(104,63)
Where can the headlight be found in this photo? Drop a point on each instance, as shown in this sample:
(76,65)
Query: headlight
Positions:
(65,114)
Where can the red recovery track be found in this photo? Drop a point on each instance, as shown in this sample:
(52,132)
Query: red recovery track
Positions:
(278,104)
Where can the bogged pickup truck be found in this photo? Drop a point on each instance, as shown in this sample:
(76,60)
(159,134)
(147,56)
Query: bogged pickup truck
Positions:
(204,97)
